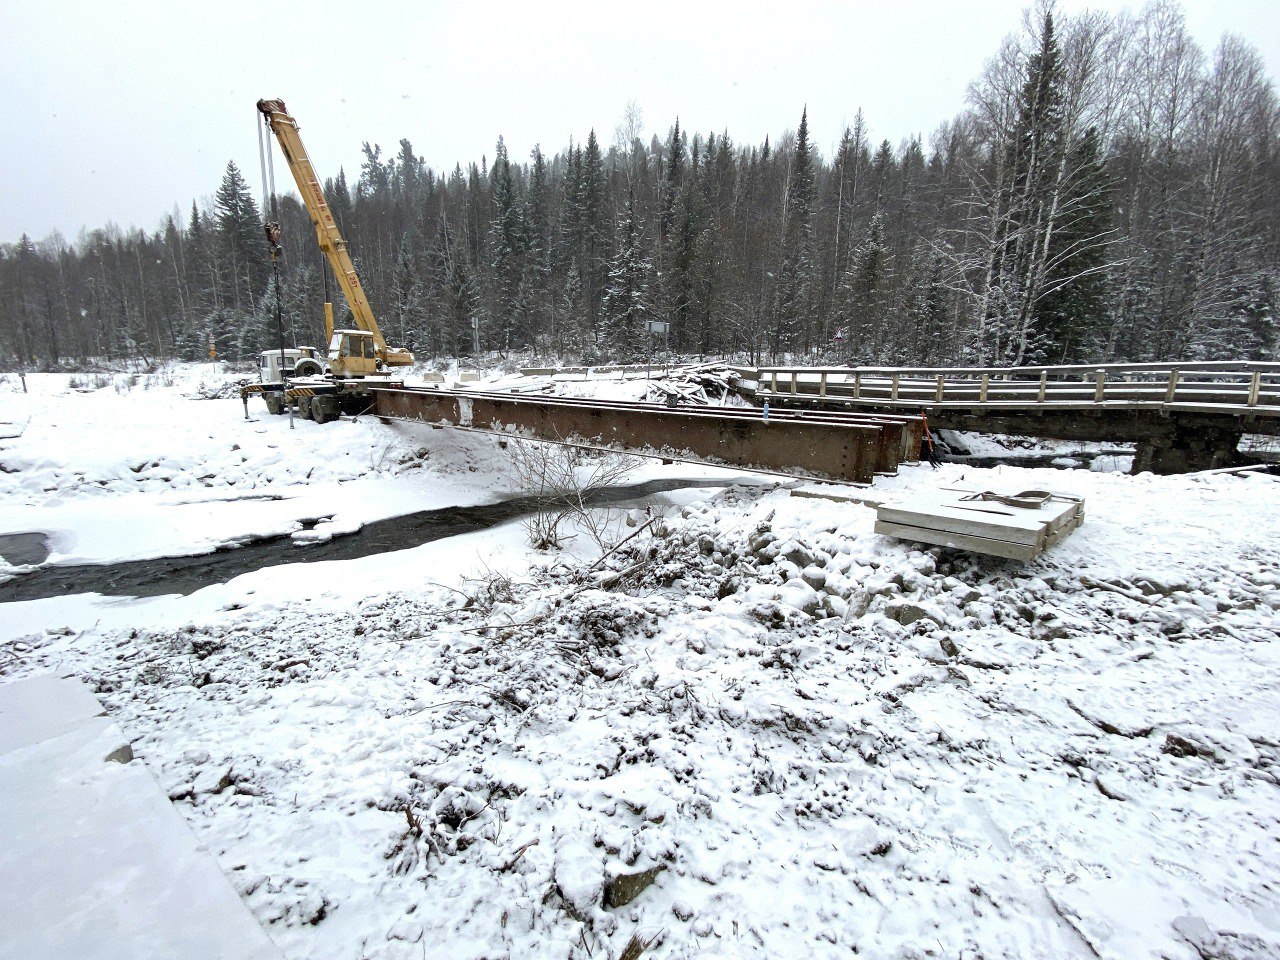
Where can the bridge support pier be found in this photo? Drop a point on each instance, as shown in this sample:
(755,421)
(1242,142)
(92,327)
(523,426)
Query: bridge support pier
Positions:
(1186,446)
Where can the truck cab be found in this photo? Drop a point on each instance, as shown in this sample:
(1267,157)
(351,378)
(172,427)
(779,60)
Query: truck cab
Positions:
(272,373)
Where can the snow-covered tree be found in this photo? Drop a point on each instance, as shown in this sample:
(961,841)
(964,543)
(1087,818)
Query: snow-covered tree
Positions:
(626,305)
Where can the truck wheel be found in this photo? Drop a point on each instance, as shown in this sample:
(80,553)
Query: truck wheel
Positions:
(275,405)
(320,410)
(304,408)
(306,367)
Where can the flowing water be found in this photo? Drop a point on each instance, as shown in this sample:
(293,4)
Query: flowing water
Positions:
(185,575)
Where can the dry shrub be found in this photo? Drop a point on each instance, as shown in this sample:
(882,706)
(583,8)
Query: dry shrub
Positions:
(562,477)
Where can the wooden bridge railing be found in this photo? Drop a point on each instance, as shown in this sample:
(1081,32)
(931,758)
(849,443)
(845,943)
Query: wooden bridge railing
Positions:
(1237,386)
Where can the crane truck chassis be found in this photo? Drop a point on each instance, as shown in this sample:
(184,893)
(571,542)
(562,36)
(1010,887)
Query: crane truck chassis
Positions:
(358,358)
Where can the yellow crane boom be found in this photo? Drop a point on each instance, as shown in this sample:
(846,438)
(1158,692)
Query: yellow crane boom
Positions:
(285,127)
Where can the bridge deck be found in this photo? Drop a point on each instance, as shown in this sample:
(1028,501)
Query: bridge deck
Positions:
(1245,391)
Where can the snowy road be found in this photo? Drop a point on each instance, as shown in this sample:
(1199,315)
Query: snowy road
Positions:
(812,739)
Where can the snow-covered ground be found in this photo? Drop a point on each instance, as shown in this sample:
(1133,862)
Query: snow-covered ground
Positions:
(812,740)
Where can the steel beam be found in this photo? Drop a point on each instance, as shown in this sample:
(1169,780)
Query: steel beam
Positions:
(842,446)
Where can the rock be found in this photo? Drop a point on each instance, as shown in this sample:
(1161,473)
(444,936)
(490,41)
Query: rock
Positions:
(949,647)
(907,612)
(682,911)
(578,882)
(952,441)
(883,588)
(313,908)
(796,593)
(787,570)
(1111,786)
(1214,745)
(814,576)
(928,649)
(859,603)
(1223,944)
(924,564)
(1177,745)
(1051,624)
(836,607)
(212,780)
(797,554)
(122,754)
(1158,586)
(620,889)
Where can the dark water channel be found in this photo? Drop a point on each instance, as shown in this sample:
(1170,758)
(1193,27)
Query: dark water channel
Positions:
(186,575)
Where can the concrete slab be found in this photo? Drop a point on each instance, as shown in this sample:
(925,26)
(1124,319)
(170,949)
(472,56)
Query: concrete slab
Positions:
(43,707)
(1019,526)
(96,863)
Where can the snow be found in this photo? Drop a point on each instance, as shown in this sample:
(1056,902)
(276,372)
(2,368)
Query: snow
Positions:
(822,740)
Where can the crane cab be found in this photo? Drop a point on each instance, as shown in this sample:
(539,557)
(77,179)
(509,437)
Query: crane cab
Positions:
(352,354)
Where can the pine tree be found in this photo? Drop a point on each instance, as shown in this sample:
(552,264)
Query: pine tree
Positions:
(260,330)
(672,175)
(931,340)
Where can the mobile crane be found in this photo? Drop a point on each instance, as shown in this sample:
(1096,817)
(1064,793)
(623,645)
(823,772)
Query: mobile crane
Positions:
(357,358)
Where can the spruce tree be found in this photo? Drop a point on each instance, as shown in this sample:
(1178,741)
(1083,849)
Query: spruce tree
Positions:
(244,250)
(537,235)
(507,247)
(796,270)
(862,296)
(1071,317)
(456,292)
(594,238)
(626,304)
(1025,212)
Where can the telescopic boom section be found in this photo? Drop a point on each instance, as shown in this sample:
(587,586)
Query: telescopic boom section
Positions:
(331,243)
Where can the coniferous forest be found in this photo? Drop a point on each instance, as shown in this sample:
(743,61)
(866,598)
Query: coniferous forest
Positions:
(1110,193)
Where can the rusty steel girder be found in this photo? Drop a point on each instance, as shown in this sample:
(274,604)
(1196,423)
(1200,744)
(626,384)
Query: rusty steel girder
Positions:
(841,446)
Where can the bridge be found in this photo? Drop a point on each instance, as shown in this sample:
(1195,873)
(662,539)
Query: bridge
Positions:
(1183,417)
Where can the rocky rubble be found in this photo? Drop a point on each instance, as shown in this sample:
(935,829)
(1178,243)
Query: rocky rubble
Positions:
(757,728)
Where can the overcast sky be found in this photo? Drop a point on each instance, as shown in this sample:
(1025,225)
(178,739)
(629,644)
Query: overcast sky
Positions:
(118,111)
